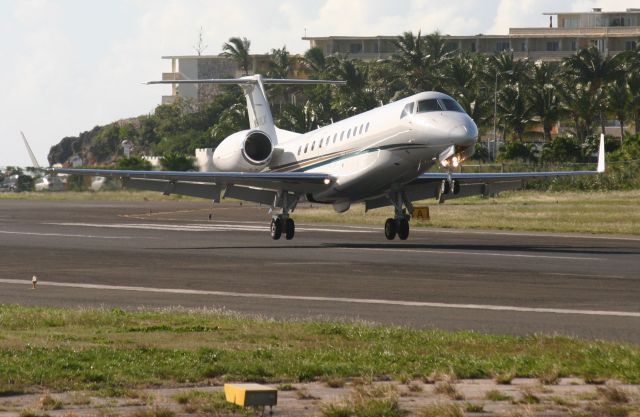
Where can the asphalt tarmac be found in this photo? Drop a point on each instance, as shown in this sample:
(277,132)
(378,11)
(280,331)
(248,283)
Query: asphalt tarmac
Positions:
(166,254)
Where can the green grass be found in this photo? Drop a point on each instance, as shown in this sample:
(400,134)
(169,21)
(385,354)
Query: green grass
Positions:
(98,349)
(616,212)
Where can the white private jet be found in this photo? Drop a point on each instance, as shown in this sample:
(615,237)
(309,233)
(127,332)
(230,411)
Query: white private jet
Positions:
(379,157)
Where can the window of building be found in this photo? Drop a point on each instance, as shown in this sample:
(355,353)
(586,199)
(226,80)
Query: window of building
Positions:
(473,47)
(452,105)
(355,48)
(428,105)
(630,45)
(502,46)
(574,45)
(408,109)
(523,47)
(553,46)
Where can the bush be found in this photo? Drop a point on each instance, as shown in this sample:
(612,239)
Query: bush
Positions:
(134,163)
(517,151)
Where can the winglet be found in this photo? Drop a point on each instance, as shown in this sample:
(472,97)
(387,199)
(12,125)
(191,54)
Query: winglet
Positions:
(601,154)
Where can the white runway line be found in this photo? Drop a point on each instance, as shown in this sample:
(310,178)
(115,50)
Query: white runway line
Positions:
(326,299)
(463,252)
(7,232)
(198,227)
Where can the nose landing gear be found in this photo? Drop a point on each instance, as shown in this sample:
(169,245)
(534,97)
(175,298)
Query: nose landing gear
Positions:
(399,225)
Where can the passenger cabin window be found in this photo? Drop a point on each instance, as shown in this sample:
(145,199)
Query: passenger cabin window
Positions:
(361,127)
(335,136)
(366,128)
(348,133)
(452,105)
(428,105)
(299,149)
(408,109)
(313,144)
(320,143)
(341,135)
(306,146)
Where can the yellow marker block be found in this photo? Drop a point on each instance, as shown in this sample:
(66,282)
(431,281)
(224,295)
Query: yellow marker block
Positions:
(250,395)
(420,213)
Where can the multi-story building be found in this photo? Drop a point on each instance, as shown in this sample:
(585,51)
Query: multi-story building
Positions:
(194,67)
(611,32)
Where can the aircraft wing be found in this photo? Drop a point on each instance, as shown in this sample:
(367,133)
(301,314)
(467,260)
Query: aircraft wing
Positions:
(251,186)
(428,184)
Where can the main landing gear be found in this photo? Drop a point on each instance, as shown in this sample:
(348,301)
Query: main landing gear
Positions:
(282,223)
(399,225)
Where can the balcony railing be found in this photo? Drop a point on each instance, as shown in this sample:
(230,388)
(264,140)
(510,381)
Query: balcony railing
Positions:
(599,31)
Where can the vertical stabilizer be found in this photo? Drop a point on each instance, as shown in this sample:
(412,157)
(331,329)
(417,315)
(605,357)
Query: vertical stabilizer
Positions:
(34,161)
(258,107)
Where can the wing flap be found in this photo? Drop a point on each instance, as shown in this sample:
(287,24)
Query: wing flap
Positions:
(295,182)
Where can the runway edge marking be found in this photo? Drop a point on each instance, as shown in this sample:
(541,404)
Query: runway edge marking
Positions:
(328,299)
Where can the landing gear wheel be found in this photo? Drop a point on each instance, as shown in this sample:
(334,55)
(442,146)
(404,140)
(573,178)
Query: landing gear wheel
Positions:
(445,187)
(289,229)
(390,228)
(403,229)
(455,186)
(276,228)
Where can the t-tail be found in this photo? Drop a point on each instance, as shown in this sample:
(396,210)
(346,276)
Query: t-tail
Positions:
(260,116)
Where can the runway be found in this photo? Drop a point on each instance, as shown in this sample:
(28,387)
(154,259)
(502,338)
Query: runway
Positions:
(164,254)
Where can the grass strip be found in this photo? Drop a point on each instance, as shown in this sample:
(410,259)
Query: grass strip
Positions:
(62,349)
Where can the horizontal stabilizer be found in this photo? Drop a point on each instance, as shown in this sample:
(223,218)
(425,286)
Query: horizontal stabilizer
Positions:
(251,80)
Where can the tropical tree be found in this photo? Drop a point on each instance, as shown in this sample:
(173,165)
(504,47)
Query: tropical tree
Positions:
(464,80)
(515,111)
(314,62)
(175,161)
(238,50)
(412,62)
(134,163)
(543,96)
(302,119)
(619,101)
(595,71)
(354,97)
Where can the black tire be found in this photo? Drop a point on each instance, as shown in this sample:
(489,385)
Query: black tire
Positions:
(289,229)
(455,186)
(390,228)
(403,229)
(445,187)
(276,228)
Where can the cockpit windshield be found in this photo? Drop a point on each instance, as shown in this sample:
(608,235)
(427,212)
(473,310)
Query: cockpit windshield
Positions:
(428,105)
(445,104)
(452,105)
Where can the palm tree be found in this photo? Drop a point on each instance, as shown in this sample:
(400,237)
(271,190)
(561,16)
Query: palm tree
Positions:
(631,68)
(515,112)
(463,79)
(354,97)
(619,101)
(314,62)
(543,96)
(593,69)
(238,50)
(176,161)
(579,103)
(412,61)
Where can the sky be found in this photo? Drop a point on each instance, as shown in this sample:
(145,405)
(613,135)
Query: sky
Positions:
(69,65)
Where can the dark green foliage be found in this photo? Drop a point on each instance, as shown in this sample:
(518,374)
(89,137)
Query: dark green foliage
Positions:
(562,149)
(517,151)
(134,163)
(177,162)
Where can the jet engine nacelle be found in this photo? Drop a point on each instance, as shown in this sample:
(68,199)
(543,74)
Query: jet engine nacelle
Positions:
(248,150)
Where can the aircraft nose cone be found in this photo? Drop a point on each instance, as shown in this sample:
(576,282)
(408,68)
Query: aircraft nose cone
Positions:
(463,134)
